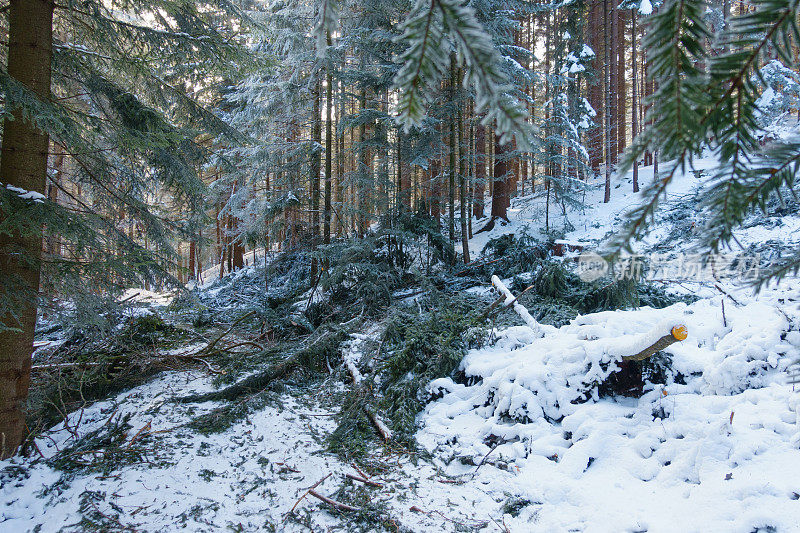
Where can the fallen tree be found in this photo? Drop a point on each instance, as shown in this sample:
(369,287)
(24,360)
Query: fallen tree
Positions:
(323,342)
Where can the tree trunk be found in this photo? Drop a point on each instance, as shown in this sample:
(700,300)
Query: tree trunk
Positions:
(451,182)
(596,87)
(436,189)
(462,181)
(326,232)
(634,94)
(621,90)
(192,260)
(316,157)
(23,165)
(480,170)
(613,109)
(499,177)
(609,114)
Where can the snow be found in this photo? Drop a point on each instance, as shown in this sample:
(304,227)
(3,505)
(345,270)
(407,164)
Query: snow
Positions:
(37,197)
(659,463)
(645,8)
(715,448)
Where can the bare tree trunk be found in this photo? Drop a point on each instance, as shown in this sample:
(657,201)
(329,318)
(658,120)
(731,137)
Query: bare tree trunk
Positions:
(462,181)
(614,112)
(316,158)
(480,170)
(192,260)
(340,165)
(499,176)
(326,231)
(634,94)
(436,189)
(596,88)
(451,182)
(314,167)
(621,89)
(24,165)
(608,78)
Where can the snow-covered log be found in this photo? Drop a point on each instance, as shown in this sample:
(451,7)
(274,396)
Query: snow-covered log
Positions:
(676,333)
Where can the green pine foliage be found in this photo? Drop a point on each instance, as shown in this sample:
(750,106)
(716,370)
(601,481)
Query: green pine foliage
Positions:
(707,97)
(132,88)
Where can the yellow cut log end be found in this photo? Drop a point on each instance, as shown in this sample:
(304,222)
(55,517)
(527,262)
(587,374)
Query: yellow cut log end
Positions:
(680,332)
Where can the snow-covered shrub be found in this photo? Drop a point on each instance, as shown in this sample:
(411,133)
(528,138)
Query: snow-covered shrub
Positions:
(780,94)
(517,388)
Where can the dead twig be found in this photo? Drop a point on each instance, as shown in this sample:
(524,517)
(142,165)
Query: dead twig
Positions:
(312,487)
(333,503)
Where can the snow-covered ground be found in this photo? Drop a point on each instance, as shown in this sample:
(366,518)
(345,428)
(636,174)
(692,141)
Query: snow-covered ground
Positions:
(713,449)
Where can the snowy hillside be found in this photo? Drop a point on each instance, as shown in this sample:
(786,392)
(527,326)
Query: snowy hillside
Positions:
(526,440)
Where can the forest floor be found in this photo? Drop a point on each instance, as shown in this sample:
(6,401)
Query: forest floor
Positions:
(711,447)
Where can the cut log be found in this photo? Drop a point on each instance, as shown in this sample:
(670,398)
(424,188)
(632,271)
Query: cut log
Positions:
(677,333)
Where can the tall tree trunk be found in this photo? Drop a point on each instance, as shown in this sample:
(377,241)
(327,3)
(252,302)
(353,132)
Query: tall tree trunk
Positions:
(362,170)
(596,87)
(316,157)
(634,94)
(471,164)
(436,189)
(609,114)
(314,166)
(499,180)
(340,167)
(192,260)
(613,109)
(462,180)
(23,165)
(480,170)
(621,81)
(451,182)
(403,176)
(326,231)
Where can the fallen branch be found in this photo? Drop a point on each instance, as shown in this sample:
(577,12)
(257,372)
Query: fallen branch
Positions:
(258,382)
(333,503)
(518,307)
(312,487)
(505,302)
(357,378)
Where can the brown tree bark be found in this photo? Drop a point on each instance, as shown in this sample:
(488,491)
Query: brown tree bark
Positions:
(480,170)
(596,88)
(23,165)
(314,167)
(326,231)
(609,114)
(613,76)
(462,182)
(634,94)
(451,182)
(316,157)
(500,175)
(621,81)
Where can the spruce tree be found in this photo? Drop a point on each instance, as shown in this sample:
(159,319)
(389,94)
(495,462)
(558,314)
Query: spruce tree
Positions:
(115,87)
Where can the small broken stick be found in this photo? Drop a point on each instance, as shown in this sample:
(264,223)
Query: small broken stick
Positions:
(333,503)
(307,492)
